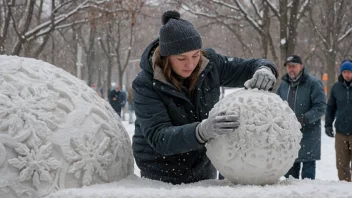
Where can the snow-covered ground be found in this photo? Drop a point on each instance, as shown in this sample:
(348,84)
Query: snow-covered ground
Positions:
(325,185)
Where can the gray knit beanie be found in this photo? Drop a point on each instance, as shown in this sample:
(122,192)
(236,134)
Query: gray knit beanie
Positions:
(177,36)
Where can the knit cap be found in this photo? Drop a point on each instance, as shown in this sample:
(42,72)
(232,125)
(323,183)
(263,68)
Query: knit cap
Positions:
(346,65)
(177,36)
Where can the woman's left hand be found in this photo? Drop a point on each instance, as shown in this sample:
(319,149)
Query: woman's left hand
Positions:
(263,78)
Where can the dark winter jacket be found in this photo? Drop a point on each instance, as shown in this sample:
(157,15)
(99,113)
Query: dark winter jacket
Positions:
(164,144)
(117,99)
(309,104)
(340,107)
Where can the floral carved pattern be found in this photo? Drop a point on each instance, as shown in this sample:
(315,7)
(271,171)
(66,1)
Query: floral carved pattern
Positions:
(89,156)
(35,164)
(27,112)
(265,144)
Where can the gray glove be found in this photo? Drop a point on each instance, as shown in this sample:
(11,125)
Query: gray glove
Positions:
(217,124)
(263,78)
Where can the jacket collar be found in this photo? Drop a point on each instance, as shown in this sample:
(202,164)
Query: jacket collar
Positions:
(146,63)
(341,80)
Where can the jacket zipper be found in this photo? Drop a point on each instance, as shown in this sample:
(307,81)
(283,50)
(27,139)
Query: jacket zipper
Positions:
(288,93)
(199,82)
(348,94)
(296,98)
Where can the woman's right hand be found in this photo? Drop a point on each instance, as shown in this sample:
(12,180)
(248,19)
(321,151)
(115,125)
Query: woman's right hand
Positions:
(218,124)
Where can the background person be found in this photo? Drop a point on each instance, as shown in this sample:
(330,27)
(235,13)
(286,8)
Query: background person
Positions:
(305,96)
(340,107)
(117,99)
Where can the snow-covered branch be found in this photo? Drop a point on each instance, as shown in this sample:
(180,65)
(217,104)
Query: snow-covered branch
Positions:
(188,9)
(348,32)
(321,37)
(61,5)
(207,15)
(105,9)
(303,9)
(249,19)
(257,11)
(59,19)
(70,24)
(48,30)
(273,8)
(225,4)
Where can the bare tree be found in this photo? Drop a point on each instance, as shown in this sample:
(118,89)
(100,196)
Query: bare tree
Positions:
(218,14)
(26,27)
(5,18)
(114,32)
(123,53)
(106,46)
(67,39)
(289,15)
(88,45)
(117,39)
(259,15)
(332,23)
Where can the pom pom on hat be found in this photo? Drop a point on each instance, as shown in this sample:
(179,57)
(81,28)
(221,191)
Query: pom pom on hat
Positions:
(170,15)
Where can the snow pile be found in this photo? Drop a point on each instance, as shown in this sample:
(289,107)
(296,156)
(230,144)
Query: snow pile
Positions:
(265,145)
(135,187)
(55,132)
(326,185)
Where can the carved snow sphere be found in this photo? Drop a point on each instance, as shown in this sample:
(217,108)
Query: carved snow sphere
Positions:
(55,132)
(265,145)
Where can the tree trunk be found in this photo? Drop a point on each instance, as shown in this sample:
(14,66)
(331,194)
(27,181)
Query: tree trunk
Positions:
(331,67)
(108,83)
(266,27)
(283,35)
(91,56)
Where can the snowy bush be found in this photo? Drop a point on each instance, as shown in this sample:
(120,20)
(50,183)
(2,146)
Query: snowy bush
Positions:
(55,132)
(265,145)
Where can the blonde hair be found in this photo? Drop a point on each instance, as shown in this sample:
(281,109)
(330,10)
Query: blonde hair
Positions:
(172,77)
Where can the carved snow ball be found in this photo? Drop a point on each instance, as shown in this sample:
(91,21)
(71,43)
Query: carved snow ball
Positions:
(55,132)
(265,145)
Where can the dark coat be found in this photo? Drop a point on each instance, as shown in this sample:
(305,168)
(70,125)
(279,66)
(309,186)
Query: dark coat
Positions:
(117,99)
(310,103)
(164,144)
(340,107)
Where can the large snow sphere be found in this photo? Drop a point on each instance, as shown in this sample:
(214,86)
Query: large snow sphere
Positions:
(55,132)
(265,145)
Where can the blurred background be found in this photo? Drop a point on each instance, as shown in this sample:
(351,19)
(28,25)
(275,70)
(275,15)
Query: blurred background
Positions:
(101,41)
